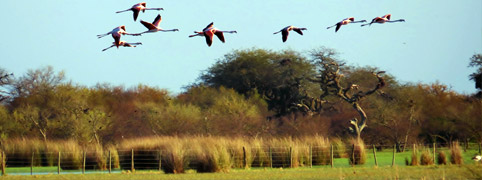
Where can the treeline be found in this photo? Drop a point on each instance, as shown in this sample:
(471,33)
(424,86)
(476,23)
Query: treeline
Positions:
(250,93)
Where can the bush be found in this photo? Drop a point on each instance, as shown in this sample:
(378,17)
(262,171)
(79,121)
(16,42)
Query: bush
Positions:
(456,154)
(426,158)
(441,158)
(358,155)
(414,161)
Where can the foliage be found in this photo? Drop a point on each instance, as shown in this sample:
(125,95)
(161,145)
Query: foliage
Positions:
(280,78)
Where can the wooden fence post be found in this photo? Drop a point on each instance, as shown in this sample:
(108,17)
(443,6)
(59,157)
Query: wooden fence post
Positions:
(110,162)
(479,149)
(393,158)
(245,158)
(270,157)
(434,162)
(291,157)
(83,162)
(3,162)
(132,160)
(375,155)
(160,160)
(31,162)
(311,156)
(58,164)
(353,156)
(331,155)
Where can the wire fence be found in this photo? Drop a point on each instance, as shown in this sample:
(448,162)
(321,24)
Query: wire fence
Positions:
(177,161)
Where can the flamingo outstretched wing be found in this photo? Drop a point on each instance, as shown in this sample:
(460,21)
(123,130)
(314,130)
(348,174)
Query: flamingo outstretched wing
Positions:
(220,35)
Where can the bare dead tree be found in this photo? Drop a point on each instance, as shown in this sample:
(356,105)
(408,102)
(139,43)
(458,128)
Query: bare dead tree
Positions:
(5,80)
(329,78)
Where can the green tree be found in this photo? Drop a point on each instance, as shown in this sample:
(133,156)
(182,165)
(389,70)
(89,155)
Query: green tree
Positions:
(280,78)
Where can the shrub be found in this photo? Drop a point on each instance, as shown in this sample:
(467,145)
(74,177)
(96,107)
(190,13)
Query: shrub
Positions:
(358,155)
(441,158)
(456,154)
(414,161)
(426,158)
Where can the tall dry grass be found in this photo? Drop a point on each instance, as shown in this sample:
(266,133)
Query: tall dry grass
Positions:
(20,151)
(426,157)
(456,154)
(441,158)
(358,155)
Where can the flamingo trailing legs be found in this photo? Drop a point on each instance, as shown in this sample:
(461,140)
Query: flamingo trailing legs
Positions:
(209,33)
(286,31)
(138,8)
(345,22)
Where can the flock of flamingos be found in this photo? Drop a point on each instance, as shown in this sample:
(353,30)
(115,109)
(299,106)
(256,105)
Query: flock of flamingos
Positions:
(209,31)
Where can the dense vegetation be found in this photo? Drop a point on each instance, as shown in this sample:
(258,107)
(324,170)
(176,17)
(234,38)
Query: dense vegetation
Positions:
(250,93)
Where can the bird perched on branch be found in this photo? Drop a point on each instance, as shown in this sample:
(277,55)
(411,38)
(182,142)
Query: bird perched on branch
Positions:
(286,31)
(345,22)
(138,8)
(209,31)
(383,19)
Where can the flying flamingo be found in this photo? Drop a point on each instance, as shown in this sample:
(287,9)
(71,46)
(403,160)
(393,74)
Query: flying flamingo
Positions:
(117,33)
(123,43)
(154,26)
(345,22)
(209,32)
(138,8)
(383,19)
(286,31)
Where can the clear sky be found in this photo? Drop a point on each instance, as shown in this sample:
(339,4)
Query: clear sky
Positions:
(434,44)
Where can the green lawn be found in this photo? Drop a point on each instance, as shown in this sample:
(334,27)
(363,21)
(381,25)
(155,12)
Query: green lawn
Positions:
(398,172)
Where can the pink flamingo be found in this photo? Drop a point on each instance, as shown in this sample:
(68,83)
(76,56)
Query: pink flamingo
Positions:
(345,22)
(154,26)
(117,33)
(286,31)
(122,43)
(138,8)
(383,19)
(209,32)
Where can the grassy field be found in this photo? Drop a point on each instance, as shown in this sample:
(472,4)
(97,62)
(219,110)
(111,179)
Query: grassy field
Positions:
(471,171)
(341,170)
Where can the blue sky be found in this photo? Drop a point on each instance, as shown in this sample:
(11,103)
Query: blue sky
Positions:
(434,44)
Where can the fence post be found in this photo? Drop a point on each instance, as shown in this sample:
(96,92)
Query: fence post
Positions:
(160,160)
(479,149)
(132,160)
(393,158)
(353,156)
(270,157)
(291,157)
(83,162)
(245,158)
(58,164)
(31,162)
(311,156)
(434,162)
(375,155)
(331,155)
(3,162)
(110,162)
